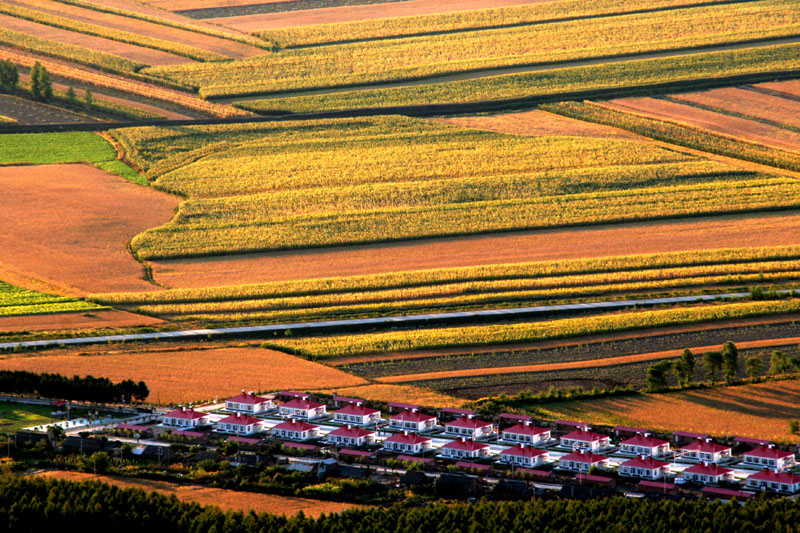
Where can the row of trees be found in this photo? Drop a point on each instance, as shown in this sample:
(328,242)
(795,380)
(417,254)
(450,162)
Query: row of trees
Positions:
(41,85)
(726,361)
(40,504)
(88,388)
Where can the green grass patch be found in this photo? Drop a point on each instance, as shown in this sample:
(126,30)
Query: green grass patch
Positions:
(18,301)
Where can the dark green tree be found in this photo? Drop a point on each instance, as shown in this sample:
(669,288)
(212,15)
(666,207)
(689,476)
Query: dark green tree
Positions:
(9,75)
(712,361)
(72,98)
(687,363)
(730,361)
(753,365)
(41,87)
(657,376)
(780,363)
(88,99)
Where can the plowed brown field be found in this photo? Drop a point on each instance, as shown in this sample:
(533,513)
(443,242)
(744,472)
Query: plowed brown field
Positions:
(128,51)
(764,106)
(233,49)
(791,87)
(222,498)
(738,128)
(592,363)
(539,122)
(761,411)
(760,229)
(329,15)
(84,320)
(398,393)
(191,374)
(69,225)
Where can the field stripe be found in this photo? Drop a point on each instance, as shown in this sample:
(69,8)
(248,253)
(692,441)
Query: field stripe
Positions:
(593,363)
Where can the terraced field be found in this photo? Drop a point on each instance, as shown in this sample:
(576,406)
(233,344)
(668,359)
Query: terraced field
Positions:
(18,301)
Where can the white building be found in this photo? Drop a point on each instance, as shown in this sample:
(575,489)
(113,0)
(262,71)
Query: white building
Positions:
(240,424)
(707,451)
(184,418)
(644,445)
(407,443)
(295,430)
(357,414)
(525,433)
(708,474)
(523,455)
(465,449)
(412,421)
(585,440)
(249,403)
(769,457)
(302,408)
(351,436)
(469,427)
(644,467)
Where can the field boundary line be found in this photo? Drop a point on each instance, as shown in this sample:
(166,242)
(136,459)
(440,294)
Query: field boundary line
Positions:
(589,363)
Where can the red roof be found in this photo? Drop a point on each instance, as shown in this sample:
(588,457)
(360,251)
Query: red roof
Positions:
(716,491)
(357,453)
(345,399)
(358,410)
(299,403)
(411,458)
(192,434)
(250,399)
(401,405)
(293,394)
(647,462)
(522,429)
(412,416)
(296,425)
(584,436)
(185,414)
(457,411)
(243,440)
(466,445)
(706,447)
(570,423)
(472,466)
(596,479)
(300,446)
(641,440)
(537,473)
(523,451)
(240,420)
(628,429)
(769,453)
(472,423)
(658,485)
(690,435)
(776,477)
(708,470)
(581,457)
(750,440)
(513,416)
(411,438)
(354,432)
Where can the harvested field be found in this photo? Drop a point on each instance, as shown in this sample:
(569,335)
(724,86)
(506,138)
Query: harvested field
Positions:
(791,87)
(538,123)
(30,112)
(751,103)
(177,374)
(224,47)
(85,320)
(289,19)
(719,123)
(609,361)
(398,393)
(68,225)
(147,56)
(758,229)
(222,498)
(761,410)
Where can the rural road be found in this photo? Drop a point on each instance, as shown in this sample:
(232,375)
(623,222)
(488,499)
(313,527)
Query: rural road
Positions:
(521,69)
(406,320)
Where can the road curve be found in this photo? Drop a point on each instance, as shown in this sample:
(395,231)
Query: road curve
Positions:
(407,320)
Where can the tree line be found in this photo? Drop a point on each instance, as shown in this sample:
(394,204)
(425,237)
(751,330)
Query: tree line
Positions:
(87,388)
(39,504)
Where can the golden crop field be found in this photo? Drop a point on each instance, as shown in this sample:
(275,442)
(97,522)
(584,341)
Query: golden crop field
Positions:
(761,410)
(397,393)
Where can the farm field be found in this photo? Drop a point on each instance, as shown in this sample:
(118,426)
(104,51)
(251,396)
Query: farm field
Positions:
(747,103)
(187,372)
(30,112)
(14,417)
(397,393)
(80,247)
(88,321)
(222,498)
(420,57)
(760,410)
(19,301)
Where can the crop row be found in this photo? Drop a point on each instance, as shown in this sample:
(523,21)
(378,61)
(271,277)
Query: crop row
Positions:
(18,301)
(110,33)
(396,27)
(47,308)
(421,57)
(347,345)
(544,274)
(185,240)
(678,133)
(627,77)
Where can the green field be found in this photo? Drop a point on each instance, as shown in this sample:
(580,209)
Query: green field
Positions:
(419,57)
(14,417)
(257,187)
(18,301)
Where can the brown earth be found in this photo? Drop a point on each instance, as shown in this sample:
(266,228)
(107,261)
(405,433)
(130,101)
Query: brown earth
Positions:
(83,320)
(539,122)
(69,225)
(764,106)
(720,123)
(705,233)
(182,5)
(128,51)
(222,498)
(175,374)
(291,19)
(233,49)
(643,334)
(592,363)
(791,87)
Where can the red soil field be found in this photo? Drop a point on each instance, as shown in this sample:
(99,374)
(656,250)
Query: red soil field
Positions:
(791,87)
(291,19)
(739,128)
(222,498)
(591,363)
(128,51)
(704,233)
(539,122)
(69,225)
(772,108)
(187,374)
(224,47)
(82,320)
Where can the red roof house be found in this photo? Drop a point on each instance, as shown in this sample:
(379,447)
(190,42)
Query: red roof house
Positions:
(351,436)
(412,421)
(582,461)
(249,403)
(295,430)
(469,427)
(526,433)
(769,457)
(777,481)
(302,408)
(644,467)
(706,450)
(240,424)
(407,443)
(465,449)
(642,445)
(585,440)
(356,414)
(524,456)
(185,418)
(708,473)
